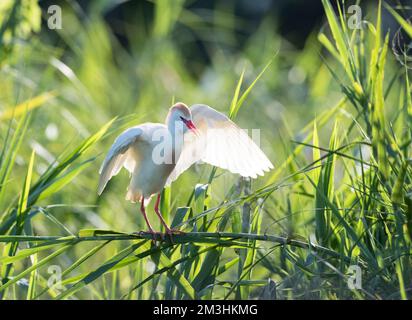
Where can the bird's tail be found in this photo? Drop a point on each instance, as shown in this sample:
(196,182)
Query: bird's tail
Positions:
(133,195)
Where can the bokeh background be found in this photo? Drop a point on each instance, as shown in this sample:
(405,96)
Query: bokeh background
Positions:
(132,60)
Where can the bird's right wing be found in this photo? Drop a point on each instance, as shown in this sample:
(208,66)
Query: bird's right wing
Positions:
(221,143)
(118,156)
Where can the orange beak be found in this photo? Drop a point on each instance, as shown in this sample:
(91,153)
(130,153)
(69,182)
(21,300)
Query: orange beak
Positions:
(191,126)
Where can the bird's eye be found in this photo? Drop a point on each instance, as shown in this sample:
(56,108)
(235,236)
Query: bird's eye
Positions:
(183,119)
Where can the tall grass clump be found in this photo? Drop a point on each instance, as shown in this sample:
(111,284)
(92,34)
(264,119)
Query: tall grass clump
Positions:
(333,220)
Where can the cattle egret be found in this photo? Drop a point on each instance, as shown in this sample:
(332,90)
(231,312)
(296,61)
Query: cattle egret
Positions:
(156,154)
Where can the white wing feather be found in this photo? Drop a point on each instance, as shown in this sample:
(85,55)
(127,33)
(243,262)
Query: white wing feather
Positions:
(118,156)
(220,143)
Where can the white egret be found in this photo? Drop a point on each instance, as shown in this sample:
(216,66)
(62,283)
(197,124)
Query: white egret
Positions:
(156,154)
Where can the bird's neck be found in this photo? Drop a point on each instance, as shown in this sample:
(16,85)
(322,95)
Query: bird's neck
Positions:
(176,131)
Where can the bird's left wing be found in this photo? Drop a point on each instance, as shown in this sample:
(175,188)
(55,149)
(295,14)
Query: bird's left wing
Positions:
(221,143)
(118,157)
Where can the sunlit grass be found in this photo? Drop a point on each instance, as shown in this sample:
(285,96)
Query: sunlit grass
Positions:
(335,119)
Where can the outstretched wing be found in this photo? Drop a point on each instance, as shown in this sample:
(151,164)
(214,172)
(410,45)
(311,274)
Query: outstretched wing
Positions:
(221,143)
(118,156)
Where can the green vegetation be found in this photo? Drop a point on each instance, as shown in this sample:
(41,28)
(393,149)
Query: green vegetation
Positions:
(335,119)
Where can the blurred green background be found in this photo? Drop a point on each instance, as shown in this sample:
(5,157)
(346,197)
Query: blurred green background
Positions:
(132,60)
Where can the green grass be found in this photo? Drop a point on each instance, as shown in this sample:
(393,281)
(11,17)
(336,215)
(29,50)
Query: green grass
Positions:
(339,136)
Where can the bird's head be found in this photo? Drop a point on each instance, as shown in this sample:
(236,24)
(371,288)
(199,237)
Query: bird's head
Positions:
(178,114)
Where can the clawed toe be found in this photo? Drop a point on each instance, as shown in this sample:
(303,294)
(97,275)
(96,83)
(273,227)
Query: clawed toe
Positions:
(171,232)
(159,235)
(155,235)
(174,231)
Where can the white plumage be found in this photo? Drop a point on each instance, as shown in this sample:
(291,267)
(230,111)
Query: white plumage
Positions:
(221,143)
(190,135)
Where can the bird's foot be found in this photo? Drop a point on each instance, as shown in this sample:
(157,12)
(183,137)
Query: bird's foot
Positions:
(159,235)
(170,232)
(155,235)
(174,231)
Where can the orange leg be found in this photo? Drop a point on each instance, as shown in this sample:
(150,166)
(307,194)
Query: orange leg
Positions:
(156,208)
(143,210)
(169,231)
